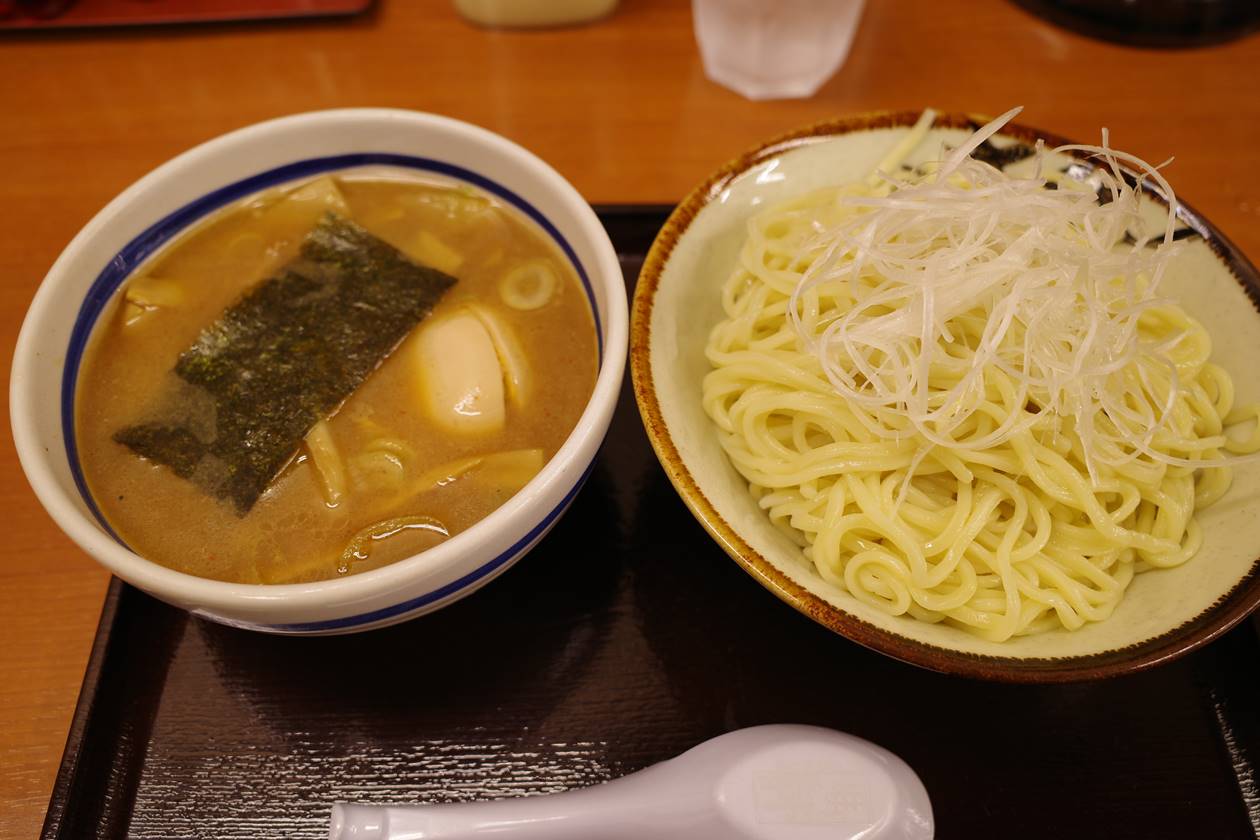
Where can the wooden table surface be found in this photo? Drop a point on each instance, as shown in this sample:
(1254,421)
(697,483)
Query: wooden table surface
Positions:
(621,107)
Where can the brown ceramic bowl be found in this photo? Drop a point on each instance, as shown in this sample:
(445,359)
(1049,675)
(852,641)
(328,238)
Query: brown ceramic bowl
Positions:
(1164,613)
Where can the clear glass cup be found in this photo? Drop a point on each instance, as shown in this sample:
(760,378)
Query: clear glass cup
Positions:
(774,49)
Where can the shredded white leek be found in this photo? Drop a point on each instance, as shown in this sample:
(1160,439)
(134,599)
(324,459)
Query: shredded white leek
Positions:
(1068,309)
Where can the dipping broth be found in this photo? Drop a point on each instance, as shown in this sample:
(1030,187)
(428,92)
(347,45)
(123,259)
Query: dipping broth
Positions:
(455,420)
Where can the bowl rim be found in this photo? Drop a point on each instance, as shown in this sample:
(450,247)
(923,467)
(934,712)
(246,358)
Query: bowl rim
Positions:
(528,511)
(1217,619)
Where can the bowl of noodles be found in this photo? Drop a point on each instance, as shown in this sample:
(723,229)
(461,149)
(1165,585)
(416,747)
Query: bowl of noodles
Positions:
(966,393)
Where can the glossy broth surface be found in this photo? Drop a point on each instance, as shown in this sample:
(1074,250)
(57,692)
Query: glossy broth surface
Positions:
(409,481)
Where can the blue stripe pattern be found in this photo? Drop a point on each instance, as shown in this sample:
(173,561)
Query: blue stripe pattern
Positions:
(165,229)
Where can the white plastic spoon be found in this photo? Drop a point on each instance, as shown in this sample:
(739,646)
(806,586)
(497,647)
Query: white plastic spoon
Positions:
(776,782)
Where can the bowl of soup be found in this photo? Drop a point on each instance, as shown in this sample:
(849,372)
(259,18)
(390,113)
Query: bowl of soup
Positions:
(324,373)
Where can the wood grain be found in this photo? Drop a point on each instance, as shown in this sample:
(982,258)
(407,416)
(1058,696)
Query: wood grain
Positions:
(621,107)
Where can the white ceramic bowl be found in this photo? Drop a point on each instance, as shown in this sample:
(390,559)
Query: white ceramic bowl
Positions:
(1163,614)
(179,193)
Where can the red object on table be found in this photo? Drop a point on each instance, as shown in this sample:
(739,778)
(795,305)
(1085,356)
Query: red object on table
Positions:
(44,14)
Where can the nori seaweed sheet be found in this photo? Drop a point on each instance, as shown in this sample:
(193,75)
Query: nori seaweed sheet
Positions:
(282,358)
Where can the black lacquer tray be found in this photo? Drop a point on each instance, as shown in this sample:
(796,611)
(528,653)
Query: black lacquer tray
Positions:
(624,638)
